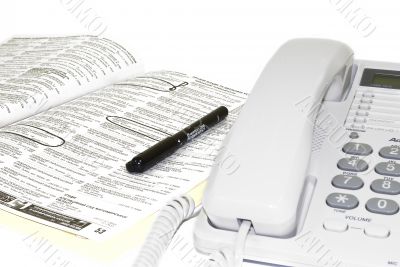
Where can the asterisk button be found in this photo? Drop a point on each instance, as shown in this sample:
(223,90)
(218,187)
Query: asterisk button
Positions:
(342,201)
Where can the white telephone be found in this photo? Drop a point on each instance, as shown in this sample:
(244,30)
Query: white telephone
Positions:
(318,145)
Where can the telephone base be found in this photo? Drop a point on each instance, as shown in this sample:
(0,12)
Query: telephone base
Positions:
(208,239)
(310,248)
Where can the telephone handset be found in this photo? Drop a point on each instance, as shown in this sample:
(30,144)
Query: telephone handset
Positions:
(271,140)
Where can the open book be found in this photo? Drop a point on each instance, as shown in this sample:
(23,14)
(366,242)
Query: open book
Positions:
(74,110)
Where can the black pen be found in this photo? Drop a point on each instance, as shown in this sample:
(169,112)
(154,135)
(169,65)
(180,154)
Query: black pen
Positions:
(169,145)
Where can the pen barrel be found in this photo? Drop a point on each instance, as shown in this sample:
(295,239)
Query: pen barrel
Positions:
(202,125)
(169,145)
(153,155)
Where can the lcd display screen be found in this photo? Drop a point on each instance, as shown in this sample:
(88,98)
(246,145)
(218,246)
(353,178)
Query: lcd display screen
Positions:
(386,80)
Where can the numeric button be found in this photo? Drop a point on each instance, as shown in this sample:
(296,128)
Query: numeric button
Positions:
(358,149)
(390,152)
(382,206)
(388,168)
(382,186)
(347,182)
(352,164)
(342,201)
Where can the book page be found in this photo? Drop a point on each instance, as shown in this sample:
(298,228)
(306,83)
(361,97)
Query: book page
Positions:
(37,73)
(66,167)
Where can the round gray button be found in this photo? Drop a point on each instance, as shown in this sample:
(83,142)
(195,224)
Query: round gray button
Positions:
(347,182)
(354,135)
(388,168)
(382,186)
(359,149)
(342,201)
(382,206)
(390,152)
(352,164)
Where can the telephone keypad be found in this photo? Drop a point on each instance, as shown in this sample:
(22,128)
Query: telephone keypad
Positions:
(349,182)
(358,149)
(390,152)
(342,201)
(381,180)
(382,206)
(382,186)
(388,168)
(352,164)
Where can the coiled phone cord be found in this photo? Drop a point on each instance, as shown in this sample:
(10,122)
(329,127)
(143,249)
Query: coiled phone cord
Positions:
(167,223)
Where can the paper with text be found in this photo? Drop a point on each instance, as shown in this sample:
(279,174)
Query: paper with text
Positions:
(65,167)
(37,73)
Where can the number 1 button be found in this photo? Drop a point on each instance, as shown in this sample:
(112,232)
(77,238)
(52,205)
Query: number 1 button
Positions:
(358,149)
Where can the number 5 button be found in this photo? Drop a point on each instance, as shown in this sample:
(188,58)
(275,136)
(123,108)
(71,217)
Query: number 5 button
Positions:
(388,168)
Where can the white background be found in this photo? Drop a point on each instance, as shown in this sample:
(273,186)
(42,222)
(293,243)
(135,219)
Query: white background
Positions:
(224,41)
